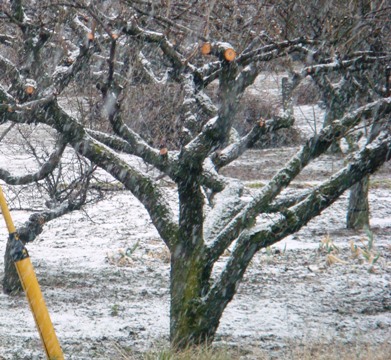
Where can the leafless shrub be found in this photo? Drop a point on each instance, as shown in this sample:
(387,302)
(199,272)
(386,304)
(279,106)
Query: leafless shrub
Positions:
(306,93)
(151,109)
(253,108)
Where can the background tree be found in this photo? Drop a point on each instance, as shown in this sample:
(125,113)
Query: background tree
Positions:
(81,69)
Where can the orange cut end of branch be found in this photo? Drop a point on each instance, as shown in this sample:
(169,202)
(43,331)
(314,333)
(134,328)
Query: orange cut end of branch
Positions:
(206,48)
(29,89)
(230,54)
(90,36)
(163,151)
(262,123)
(114,36)
(10,109)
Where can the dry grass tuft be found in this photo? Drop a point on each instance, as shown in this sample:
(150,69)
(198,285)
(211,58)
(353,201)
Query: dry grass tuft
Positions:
(334,350)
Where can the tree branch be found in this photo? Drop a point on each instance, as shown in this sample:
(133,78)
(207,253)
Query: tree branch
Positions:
(131,143)
(133,29)
(313,148)
(250,241)
(233,151)
(44,171)
(140,184)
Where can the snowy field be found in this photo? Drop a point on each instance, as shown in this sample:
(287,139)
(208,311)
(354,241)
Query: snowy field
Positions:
(105,303)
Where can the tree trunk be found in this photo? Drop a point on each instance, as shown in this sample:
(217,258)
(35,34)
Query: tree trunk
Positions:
(358,208)
(189,273)
(189,320)
(11,282)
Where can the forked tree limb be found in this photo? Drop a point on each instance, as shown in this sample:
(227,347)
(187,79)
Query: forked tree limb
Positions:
(131,143)
(132,29)
(312,149)
(143,187)
(250,241)
(235,150)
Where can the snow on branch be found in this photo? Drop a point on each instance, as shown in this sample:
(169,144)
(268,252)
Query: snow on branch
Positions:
(210,178)
(206,103)
(63,75)
(133,29)
(212,70)
(312,149)
(9,70)
(227,204)
(30,229)
(260,53)
(189,105)
(133,144)
(20,113)
(355,64)
(235,150)
(147,67)
(223,50)
(7,103)
(44,170)
(141,185)
(7,39)
(250,241)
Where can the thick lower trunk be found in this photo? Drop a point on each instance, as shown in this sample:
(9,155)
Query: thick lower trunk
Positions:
(358,208)
(11,282)
(190,323)
(190,272)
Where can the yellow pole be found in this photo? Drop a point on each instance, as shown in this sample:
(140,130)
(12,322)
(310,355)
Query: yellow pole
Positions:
(31,287)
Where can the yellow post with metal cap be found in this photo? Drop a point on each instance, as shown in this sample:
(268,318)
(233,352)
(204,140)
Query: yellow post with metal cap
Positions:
(31,288)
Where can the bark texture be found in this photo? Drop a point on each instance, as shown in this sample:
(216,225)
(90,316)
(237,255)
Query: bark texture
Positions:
(358,208)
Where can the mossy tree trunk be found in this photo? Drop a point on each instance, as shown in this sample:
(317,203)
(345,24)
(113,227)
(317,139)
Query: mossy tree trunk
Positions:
(358,209)
(189,271)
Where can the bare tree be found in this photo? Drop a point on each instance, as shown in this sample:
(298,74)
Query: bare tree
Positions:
(60,186)
(112,49)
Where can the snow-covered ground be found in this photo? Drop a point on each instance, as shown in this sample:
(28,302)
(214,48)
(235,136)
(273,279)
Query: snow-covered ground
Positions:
(104,303)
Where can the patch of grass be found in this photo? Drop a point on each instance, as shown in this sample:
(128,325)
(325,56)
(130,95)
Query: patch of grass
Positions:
(327,245)
(161,254)
(122,257)
(114,311)
(380,184)
(192,353)
(311,350)
(339,351)
(294,185)
(198,353)
(256,185)
(367,250)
